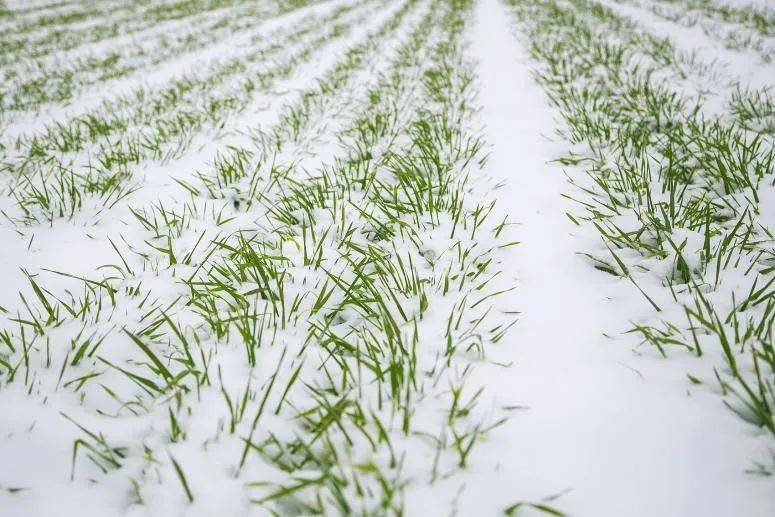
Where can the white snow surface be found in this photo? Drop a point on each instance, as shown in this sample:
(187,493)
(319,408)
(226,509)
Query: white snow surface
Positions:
(603,427)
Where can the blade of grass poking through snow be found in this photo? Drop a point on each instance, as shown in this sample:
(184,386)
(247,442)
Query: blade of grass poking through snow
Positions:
(182,478)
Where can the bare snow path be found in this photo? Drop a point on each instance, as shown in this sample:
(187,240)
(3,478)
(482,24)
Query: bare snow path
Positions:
(611,432)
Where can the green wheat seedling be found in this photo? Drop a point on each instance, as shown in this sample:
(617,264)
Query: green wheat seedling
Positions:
(755,110)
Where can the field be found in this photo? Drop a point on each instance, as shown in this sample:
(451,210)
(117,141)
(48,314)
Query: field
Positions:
(387,257)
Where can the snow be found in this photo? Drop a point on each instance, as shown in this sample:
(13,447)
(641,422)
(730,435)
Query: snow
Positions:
(598,425)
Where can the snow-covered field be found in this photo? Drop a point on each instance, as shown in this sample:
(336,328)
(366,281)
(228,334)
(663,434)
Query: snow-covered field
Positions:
(387,257)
